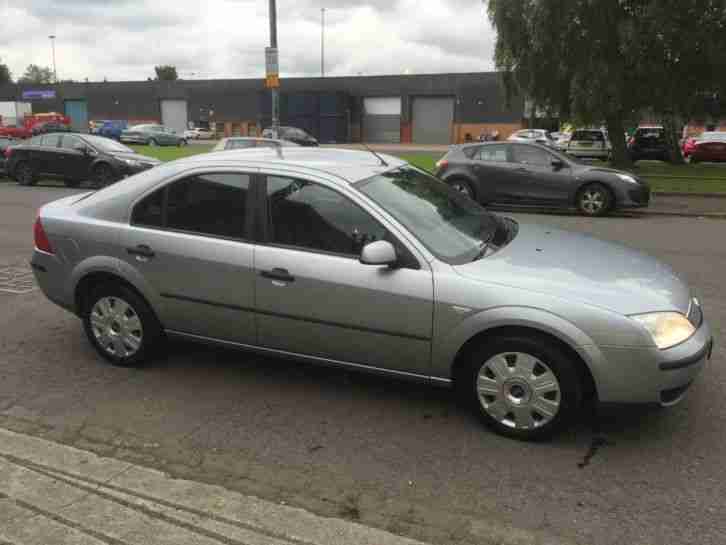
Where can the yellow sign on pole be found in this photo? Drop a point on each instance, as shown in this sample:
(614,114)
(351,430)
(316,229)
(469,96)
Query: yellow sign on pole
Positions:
(272,81)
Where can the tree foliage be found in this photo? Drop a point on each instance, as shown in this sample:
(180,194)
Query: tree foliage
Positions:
(5,75)
(594,61)
(166,72)
(37,74)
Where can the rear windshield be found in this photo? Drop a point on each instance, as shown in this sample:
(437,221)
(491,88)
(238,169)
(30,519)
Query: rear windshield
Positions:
(588,136)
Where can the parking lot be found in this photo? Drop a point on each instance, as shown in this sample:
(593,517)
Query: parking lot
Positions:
(401,457)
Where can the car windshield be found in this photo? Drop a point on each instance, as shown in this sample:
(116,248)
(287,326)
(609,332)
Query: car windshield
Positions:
(107,145)
(453,227)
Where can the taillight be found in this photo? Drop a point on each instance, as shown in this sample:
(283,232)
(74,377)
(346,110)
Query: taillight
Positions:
(441,164)
(41,240)
(631,141)
(8,151)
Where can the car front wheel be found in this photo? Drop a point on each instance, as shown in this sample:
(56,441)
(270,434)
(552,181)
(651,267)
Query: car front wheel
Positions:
(102,175)
(120,325)
(594,200)
(523,387)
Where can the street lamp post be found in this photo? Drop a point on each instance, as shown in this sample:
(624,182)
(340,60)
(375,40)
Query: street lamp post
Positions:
(52,44)
(322,42)
(273,81)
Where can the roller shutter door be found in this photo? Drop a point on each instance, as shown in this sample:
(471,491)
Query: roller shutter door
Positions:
(174,115)
(432,120)
(382,119)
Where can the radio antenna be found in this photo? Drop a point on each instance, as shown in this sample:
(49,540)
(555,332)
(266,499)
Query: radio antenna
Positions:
(375,154)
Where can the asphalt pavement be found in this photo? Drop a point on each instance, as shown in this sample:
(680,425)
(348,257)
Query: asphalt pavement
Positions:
(398,457)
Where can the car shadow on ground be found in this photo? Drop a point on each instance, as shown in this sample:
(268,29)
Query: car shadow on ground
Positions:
(594,425)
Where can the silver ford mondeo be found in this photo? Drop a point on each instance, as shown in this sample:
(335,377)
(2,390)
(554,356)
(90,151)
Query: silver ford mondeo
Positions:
(363,261)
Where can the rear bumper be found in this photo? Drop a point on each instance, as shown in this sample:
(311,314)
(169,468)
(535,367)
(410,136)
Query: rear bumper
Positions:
(49,272)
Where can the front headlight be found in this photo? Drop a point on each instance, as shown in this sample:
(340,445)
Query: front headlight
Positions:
(667,328)
(626,178)
(132,162)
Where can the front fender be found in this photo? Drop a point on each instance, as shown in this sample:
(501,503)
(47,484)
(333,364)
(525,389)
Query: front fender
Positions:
(447,348)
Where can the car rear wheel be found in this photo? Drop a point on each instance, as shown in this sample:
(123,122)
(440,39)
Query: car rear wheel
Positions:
(523,387)
(463,187)
(153,143)
(120,325)
(182,143)
(25,174)
(594,200)
(102,175)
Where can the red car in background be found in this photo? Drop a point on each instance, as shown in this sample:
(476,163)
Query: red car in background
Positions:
(709,146)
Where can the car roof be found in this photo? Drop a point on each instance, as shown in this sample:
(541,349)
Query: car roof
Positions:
(350,165)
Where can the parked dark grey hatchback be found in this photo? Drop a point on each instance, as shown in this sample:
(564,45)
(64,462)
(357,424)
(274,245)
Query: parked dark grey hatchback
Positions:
(530,174)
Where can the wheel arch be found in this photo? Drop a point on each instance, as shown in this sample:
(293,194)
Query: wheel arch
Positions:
(466,177)
(451,352)
(585,374)
(595,181)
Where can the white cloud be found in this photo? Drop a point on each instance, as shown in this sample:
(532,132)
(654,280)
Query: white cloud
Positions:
(125,39)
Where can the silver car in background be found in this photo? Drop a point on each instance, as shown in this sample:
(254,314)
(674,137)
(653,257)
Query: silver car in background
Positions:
(539,136)
(247,142)
(361,261)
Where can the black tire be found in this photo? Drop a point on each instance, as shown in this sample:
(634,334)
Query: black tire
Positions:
(153,142)
(569,395)
(150,331)
(462,186)
(102,175)
(182,143)
(594,200)
(25,173)
(693,160)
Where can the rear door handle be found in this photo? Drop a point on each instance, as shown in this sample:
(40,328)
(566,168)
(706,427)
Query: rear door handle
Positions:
(278,274)
(142,250)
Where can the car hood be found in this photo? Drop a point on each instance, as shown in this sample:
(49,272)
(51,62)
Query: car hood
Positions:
(136,157)
(582,268)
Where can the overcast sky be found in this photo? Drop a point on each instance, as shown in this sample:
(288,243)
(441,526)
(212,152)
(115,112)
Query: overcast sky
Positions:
(124,39)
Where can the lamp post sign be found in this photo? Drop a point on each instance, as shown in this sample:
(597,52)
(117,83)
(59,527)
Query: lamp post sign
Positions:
(272,81)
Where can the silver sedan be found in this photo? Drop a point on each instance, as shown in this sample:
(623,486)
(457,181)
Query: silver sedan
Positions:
(361,261)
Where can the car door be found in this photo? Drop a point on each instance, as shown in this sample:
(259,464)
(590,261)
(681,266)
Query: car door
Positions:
(72,163)
(44,157)
(314,297)
(497,176)
(190,242)
(541,181)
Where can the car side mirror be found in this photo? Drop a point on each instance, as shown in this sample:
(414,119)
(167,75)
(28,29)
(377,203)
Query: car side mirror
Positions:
(82,148)
(380,252)
(558,164)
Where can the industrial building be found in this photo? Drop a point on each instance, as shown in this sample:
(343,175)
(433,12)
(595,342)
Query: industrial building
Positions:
(422,109)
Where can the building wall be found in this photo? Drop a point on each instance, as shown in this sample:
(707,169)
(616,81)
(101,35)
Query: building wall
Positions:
(477,129)
(479,98)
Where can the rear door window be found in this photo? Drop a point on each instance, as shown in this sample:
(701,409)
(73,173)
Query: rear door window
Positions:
(69,141)
(491,154)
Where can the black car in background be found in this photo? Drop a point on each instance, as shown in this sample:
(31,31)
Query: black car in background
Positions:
(648,143)
(75,158)
(5,143)
(291,134)
(532,174)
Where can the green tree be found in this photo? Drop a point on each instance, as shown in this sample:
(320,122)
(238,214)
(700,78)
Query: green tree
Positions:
(37,74)
(609,60)
(166,72)
(5,76)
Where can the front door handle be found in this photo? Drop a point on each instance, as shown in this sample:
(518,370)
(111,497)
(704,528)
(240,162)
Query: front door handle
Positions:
(142,250)
(278,274)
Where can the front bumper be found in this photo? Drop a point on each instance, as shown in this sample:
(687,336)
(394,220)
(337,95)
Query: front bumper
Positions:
(649,375)
(637,197)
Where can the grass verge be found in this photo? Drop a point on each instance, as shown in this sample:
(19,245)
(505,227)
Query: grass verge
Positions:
(701,178)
